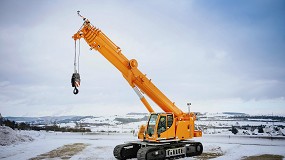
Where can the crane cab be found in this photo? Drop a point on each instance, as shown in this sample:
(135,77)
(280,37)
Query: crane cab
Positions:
(160,126)
(164,126)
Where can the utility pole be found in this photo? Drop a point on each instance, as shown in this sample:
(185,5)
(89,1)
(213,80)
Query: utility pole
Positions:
(189,104)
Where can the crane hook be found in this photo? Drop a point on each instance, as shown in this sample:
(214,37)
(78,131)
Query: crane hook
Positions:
(75,91)
(75,82)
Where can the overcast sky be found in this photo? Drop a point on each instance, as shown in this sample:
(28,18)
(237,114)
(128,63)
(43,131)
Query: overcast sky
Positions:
(219,55)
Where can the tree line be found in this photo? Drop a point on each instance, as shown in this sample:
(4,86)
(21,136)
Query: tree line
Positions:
(267,117)
(54,127)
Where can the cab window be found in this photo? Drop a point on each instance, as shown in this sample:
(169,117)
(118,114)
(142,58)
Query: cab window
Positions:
(169,121)
(161,124)
(151,124)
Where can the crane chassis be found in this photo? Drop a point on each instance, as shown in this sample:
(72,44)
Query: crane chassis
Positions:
(144,150)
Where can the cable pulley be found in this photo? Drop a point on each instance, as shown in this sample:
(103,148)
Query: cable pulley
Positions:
(75,82)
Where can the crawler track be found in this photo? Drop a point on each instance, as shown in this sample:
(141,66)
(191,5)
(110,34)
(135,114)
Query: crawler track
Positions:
(126,151)
(151,153)
(157,151)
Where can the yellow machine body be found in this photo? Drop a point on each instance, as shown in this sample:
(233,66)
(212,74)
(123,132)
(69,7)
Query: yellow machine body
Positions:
(177,125)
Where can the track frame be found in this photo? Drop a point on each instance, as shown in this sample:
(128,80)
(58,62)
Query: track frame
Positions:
(169,149)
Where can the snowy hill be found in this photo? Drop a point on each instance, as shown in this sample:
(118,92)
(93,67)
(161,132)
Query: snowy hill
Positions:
(73,146)
(260,136)
(209,123)
(47,119)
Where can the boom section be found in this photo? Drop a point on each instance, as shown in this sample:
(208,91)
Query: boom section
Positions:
(97,40)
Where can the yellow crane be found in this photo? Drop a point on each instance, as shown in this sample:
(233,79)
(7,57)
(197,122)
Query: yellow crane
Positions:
(166,135)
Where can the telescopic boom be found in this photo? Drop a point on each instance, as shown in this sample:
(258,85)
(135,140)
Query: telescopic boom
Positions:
(97,40)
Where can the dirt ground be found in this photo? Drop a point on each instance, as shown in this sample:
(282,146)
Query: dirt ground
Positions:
(211,155)
(264,157)
(64,152)
(214,152)
(207,155)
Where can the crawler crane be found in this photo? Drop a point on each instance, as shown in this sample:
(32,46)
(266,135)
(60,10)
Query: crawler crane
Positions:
(166,135)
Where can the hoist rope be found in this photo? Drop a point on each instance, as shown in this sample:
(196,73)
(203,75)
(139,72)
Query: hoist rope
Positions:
(78,54)
(76,58)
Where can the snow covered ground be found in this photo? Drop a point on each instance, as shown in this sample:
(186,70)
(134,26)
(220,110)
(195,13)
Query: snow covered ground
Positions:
(8,136)
(100,146)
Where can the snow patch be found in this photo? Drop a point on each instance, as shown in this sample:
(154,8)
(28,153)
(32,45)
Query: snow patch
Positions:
(9,136)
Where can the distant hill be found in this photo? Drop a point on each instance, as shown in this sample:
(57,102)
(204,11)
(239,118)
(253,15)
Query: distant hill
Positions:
(235,113)
(135,117)
(134,113)
(47,119)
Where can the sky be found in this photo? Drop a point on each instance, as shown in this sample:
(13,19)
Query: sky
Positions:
(219,55)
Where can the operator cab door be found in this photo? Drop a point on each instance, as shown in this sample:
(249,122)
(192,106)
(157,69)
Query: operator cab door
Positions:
(160,126)
(165,127)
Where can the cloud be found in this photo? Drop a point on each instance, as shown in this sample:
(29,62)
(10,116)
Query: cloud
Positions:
(230,54)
